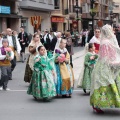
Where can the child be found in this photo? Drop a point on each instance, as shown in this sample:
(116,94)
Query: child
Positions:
(6,55)
(65,77)
(42,82)
(90,60)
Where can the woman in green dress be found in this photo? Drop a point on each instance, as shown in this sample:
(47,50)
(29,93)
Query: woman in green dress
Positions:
(89,62)
(105,78)
(42,83)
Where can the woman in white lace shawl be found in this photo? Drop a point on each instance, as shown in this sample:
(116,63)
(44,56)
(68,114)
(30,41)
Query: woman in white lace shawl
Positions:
(105,80)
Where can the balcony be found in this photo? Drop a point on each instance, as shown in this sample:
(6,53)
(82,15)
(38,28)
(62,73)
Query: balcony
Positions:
(116,8)
(43,5)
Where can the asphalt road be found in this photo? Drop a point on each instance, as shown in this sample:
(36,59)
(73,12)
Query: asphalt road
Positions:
(17,105)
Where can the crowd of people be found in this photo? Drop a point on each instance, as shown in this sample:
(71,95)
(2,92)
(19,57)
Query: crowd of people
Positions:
(49,66)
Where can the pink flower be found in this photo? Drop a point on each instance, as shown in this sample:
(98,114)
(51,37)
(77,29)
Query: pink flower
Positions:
(8,49)
(61,58)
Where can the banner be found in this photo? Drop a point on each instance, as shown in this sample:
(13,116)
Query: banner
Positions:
(35,21)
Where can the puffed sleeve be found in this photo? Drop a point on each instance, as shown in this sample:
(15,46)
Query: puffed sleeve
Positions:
(86,61)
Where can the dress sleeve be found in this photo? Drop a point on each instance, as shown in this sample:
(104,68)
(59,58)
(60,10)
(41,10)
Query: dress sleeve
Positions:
(86,61)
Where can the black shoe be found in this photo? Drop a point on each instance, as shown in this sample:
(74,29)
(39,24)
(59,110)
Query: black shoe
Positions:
(64,96)
(84,90)
(35,98)
(22,61)
(10,78)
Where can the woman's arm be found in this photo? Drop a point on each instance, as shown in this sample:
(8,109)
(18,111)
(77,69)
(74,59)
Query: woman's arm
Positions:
(86,61)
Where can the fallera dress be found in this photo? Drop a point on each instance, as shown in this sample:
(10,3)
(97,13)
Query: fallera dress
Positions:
(88,67)
(42,83)
(105,86)
(65,76)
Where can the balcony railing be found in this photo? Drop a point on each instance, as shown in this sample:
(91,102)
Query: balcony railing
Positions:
(45,5)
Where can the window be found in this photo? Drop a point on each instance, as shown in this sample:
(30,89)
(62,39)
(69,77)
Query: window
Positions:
(57,4)
(50,2)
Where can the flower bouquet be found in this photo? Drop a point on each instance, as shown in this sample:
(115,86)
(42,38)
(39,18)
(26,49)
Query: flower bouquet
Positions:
(61,58)
(8,52)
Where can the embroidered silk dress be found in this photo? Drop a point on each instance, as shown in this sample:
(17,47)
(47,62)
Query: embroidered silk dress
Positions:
(65,77)
(105,86)
(42,83)
(30,62)
(89,65)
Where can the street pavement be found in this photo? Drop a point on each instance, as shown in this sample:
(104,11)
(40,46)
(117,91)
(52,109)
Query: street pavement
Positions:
(17,105)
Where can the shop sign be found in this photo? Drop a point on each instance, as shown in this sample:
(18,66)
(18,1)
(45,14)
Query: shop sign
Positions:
(57,19)
(5,9)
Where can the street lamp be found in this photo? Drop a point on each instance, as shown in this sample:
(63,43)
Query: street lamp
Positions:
(92,13)
(67,18)
(112,16)
(77,9)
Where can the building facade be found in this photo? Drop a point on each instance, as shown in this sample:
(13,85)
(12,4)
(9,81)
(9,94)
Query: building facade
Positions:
(8,15)
(102,13)
(64,14)
(21,12)
(116,12)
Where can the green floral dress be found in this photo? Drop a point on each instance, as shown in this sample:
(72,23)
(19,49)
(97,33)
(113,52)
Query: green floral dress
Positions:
(42,83)
(89,65)
(105,84)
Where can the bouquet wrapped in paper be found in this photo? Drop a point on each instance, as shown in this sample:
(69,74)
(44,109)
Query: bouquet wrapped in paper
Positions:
(8,52)
(61,58)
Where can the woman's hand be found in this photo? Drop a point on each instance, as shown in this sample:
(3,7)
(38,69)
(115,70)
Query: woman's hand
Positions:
(38,59)
(92,57)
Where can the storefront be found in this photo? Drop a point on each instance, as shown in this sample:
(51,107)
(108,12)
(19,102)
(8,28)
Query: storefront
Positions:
(57,23)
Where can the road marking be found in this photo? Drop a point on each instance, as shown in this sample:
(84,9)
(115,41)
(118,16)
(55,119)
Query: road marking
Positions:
(26,90)
(17,90)
(78,57)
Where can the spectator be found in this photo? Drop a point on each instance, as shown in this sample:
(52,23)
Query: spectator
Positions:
(23,39)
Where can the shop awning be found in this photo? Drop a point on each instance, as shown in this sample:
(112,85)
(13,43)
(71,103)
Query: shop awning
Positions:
(10,16)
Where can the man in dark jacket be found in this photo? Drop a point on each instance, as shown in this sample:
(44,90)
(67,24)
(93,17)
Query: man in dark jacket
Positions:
(53,42)
(47,40)
(118,36)
(23,39)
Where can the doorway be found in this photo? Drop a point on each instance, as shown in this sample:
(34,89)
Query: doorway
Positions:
(8,22)
(54,27)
